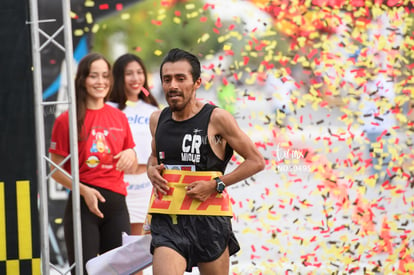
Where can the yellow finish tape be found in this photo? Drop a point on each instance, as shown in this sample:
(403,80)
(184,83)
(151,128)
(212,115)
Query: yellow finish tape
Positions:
(177,202)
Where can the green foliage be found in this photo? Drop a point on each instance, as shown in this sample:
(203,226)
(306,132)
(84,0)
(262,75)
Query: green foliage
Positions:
(150,30)
(227,96)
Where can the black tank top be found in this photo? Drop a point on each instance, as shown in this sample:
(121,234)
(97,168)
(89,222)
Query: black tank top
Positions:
(186,143)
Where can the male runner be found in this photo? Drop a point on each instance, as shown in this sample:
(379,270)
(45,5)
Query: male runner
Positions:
(191,219)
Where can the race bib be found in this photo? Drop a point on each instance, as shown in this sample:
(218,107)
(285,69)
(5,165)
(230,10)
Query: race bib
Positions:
(177,202)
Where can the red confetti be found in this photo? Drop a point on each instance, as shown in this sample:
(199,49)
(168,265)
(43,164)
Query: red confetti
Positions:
(145,91)
(156,22)
(104,7)
(245,60)
(218,23)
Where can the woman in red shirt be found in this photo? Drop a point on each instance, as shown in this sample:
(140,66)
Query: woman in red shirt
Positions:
(105,146)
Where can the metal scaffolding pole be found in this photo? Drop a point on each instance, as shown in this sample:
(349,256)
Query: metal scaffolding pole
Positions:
(41,169)
(42,160)
(73,137)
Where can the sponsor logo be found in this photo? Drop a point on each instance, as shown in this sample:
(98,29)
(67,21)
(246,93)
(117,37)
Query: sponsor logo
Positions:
(177,202)
(92,161)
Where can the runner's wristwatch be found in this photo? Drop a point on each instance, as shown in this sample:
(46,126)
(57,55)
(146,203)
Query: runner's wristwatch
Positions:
(220,185)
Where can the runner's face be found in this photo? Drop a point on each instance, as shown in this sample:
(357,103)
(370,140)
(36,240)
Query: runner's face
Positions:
(134,78)
(97,83)
(178,85)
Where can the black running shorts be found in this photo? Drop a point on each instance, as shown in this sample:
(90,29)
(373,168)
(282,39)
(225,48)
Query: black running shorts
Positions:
(197,238)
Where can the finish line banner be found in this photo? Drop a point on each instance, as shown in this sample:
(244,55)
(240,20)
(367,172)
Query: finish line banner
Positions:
(176,202)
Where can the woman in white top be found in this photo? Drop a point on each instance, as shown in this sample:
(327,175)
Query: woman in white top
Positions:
(132,95)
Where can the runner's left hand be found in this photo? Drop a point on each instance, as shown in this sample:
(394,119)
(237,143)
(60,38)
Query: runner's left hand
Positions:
(201,190)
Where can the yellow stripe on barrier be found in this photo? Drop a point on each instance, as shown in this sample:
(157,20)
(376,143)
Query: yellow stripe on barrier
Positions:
(3,248)
(36,266)
(177,201)
(13,267)
(24,219)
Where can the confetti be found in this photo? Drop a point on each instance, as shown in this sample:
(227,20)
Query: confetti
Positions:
(342,107)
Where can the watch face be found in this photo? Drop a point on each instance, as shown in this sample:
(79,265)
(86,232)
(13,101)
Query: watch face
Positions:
(220,185)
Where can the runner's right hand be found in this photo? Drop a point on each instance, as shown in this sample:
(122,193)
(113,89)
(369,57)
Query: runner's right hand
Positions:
(158,182)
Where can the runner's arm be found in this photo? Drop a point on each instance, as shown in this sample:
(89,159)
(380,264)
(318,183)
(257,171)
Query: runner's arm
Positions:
(226,126)
(154,170)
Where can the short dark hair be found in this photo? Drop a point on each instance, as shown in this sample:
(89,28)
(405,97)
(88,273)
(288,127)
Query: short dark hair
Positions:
(176,54)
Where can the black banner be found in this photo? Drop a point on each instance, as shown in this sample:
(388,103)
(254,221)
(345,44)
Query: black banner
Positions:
(19,225)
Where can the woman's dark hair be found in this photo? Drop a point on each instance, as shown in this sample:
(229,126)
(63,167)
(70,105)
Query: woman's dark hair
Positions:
(82,73)
(176,54)
(118,72)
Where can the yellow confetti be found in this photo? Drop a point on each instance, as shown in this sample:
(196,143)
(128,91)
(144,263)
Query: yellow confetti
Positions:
(89,3)
(192,14)
(177,20)
(78,32)
(95,28)
(158,52)
(125,16)
(89,18)
(190,6)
